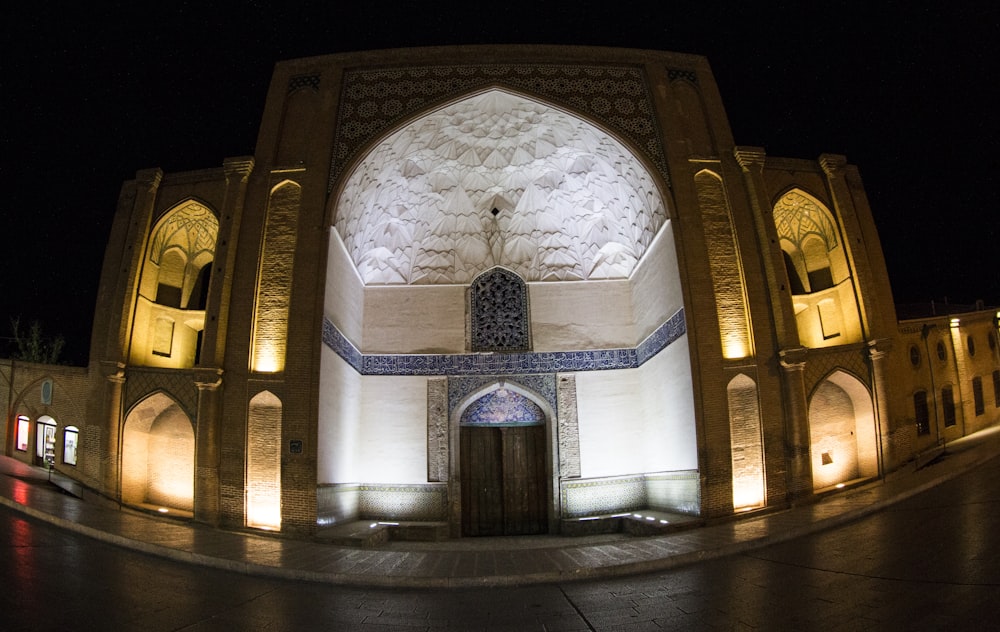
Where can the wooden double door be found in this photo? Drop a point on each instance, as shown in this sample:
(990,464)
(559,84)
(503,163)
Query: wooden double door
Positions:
(504,484)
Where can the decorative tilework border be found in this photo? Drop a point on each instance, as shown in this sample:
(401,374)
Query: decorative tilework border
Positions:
(140,383)
(543,385)
(374,101)
(496,364)
(677,491)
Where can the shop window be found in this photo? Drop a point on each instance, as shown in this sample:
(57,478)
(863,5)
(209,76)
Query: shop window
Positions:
(45,439)
(921,413)
(948,406)
(71,439)
(23,431)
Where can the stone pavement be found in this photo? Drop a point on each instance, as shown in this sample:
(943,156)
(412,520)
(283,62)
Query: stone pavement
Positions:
(470,561)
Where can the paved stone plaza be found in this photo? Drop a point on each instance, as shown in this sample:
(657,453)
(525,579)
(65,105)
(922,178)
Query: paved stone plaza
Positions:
(843,572)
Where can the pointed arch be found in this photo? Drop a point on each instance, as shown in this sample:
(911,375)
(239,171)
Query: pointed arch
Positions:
(576,203)
(746,443)
(158,452)
(498,312)
(504,462)
(842,434)
(817,263)
(725,266)
(170,307)
(264,420)
(274,278)
(181,243)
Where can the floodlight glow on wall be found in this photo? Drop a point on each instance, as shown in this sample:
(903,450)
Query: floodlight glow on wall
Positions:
(274,279)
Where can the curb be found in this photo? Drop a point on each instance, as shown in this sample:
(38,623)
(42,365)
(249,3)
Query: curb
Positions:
(660,564)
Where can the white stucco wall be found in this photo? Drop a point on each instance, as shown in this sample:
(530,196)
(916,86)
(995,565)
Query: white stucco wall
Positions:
(414,319)
(670,440)
(343,302)
(339,420)
(638,420)
(656,285)
(392,439)
(580,315)
(372,429)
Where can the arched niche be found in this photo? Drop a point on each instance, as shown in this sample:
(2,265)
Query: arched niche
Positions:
(263,486)
(498,312)
(817,263)
(173,287)
(158,454)
(504,462)
(497,178)
(746,443)
(842,434)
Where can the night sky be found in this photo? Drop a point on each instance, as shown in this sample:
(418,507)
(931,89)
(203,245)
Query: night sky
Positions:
(90,96)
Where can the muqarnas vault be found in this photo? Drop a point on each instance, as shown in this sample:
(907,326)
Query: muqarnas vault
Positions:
(498,289)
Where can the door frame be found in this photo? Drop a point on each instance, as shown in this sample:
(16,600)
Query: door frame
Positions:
(454,457)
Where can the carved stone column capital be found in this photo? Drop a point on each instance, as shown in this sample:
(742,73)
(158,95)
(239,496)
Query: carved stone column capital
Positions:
(207,378)
(240,166)
(793,359)
(113,371)
(150,178)
(750,157)
(877,349)
(833,164)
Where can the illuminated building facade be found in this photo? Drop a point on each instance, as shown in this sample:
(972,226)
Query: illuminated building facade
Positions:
(500,289)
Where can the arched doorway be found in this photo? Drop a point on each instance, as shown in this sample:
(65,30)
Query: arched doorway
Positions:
(843,441)
(503,466)
(158,456)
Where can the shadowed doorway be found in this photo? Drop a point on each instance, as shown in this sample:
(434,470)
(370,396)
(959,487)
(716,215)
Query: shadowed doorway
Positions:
(502,456)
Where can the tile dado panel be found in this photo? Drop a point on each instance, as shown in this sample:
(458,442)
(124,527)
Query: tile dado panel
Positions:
(496,364)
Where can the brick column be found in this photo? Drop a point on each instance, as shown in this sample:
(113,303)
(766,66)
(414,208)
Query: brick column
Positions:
(751,160)
(207,446)
(114,387)
(878,350)
(793,364)
(833,166)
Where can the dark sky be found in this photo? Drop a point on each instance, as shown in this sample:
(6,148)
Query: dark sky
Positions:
(91,95)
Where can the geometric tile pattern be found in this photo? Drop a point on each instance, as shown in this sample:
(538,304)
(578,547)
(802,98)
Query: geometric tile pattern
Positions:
(603,496)
(437,429)
(503,407)
(499,308)
(459,387)
(797,216)
(374,101)
(505,363)
(568,427)
(403,502)
(179,385)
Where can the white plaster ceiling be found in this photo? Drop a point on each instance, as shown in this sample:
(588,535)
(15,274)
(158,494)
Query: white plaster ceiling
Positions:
(574,203)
